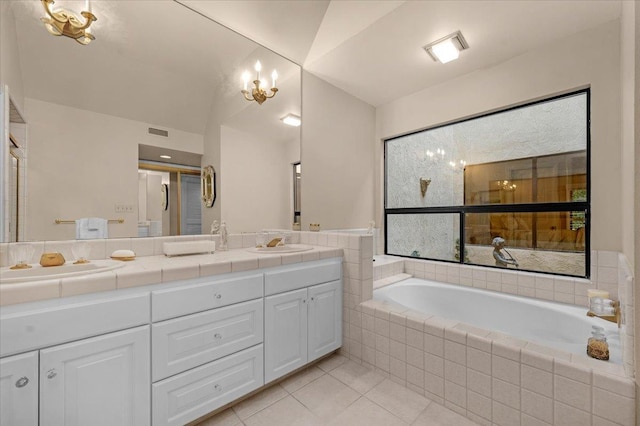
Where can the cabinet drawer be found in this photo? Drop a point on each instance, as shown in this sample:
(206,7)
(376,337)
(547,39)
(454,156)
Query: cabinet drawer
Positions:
(186,342)
(302,275)
(192,298)
(72,319)
(187,396)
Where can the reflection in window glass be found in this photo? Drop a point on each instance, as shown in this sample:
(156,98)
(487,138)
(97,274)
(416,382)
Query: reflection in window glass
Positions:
(429,236)
(519,175)
(542,241)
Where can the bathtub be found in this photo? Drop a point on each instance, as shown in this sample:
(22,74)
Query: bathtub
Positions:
(556,325)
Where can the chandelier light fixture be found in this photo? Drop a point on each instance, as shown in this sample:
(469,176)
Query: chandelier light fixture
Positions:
(258,92)
(67,23)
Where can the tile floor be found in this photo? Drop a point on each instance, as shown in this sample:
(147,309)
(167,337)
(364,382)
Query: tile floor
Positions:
(337,391)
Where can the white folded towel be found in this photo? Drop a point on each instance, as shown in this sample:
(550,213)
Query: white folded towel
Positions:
(91,227)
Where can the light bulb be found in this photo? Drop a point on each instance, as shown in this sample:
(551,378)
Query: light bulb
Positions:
(274,77)
(245,78)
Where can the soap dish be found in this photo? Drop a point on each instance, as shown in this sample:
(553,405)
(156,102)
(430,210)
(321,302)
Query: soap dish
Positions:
(123,255)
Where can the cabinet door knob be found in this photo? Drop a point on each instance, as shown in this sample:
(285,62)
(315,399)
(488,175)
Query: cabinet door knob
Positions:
(217,336)
(22,382)
(218,296)
(304,300)
(218,388)
(51,374)
(313,298)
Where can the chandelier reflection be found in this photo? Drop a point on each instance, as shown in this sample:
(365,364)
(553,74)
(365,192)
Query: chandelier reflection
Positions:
(64,22)
(505,185)
(258,92)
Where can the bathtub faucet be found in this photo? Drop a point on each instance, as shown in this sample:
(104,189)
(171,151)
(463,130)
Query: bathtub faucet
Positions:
(604,308)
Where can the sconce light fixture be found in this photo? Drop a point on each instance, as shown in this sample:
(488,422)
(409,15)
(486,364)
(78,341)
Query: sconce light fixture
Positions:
(447,48)
(67,23)
(258,92)
(424,185)
(291,120)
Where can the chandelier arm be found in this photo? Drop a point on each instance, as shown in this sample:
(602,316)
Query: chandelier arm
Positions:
(274,90)
(90,18)
(46,4)
(245,93)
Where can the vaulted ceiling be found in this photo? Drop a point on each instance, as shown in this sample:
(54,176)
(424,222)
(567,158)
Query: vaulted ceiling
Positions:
(177,61)
(373,49)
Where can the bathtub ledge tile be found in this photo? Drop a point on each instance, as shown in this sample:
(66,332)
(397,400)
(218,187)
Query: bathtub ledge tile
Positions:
(544,350)
(597,365)
(506,349)
(572,371)
(368,307)
(417,319)
(479,342)
(398,318)
(436,325)
(620,385)
(455,334)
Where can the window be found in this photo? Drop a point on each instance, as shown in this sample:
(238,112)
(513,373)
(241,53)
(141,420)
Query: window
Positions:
(521,175)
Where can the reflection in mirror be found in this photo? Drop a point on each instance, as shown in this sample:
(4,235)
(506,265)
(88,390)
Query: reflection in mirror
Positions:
(208,186)
(92,108)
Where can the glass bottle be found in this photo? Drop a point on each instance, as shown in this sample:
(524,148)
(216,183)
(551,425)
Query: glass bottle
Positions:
(597,346)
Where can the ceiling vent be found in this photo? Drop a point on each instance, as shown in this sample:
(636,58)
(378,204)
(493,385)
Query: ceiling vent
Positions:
(159,132)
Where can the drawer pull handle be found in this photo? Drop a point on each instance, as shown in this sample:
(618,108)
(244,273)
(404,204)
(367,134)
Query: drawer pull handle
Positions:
(218,296)
(51,374)
(218,388)
(217,336)
(22,382)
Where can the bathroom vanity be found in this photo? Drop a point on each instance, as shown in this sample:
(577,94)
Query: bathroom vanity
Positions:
(169,353)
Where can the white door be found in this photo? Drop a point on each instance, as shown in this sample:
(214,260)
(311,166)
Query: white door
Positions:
(101,381)
(285,337)
(325,319)
(190,212)
(19,390)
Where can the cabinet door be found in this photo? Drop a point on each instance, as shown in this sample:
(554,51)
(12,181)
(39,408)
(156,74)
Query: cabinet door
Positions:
(19,390)
(102,381)
(325,319)
(285,340)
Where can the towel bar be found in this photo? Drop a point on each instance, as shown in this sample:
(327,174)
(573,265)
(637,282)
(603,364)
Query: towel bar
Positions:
(59,221)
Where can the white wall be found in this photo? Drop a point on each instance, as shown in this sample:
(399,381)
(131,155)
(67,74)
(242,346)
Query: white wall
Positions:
(590,58)
(10,73)
(337,159)
(81,164)
(256,188)
(628,74)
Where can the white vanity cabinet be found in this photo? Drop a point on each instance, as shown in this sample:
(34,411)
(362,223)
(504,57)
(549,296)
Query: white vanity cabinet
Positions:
(103,380)
(207,345)
(305,323)
(88,361)
(19,390)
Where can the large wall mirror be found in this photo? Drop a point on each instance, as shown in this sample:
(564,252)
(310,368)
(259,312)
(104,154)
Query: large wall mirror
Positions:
(159,78)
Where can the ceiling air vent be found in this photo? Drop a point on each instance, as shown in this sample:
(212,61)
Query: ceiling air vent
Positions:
(158,132)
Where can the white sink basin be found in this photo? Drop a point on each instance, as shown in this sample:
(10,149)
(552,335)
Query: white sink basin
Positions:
(291,248)
(38,273)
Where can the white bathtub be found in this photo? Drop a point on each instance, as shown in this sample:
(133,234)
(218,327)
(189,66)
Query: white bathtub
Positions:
(560,326)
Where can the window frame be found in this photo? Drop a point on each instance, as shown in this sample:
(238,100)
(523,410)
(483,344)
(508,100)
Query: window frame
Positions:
(569,206)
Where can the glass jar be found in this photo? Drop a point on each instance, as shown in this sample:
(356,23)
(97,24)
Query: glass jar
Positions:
(597,346)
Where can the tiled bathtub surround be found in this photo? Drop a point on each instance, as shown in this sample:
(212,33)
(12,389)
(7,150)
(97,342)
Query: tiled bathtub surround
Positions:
(609,271)
(489,377)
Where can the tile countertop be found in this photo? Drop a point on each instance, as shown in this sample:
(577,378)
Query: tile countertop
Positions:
(147,270)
